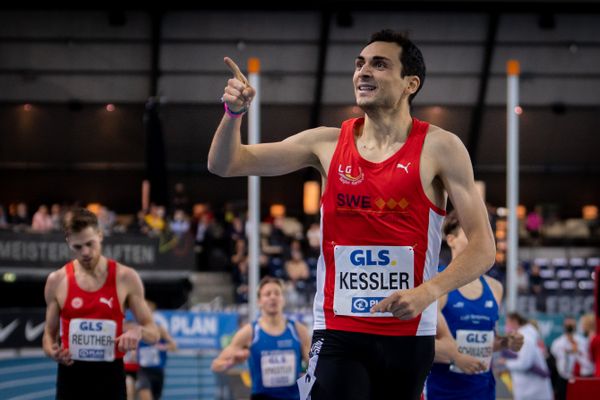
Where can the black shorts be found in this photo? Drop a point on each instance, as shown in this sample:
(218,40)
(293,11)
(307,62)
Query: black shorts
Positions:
(91,380)
(132,374)
(151,379)
(363,366)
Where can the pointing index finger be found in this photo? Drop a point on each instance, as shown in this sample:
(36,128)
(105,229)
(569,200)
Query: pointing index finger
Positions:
(382,306)
(236,71)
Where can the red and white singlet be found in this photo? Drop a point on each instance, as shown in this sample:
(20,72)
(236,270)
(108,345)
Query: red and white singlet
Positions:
(91,321)
(380,233)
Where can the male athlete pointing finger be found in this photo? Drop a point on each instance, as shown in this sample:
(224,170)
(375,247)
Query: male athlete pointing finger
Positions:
(386,178)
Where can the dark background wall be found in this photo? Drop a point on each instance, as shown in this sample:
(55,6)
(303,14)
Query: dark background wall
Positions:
(55,153)
(69,63)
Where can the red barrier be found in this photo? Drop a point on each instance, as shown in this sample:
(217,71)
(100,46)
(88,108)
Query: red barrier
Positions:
(583,389)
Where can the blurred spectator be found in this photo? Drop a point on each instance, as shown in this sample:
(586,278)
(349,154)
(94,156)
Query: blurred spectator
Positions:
(236,229)
(535,280)
(298,274)
(106,220)
(571,354)
(56,217)
(572,357)
(204,241)
(155,220)
(534,222)
(181,200)
(529,370)
(180,224)
(20,218)
(3,219)
(276,242)
(42,222)
(587,323)
(522,280)
(296,267)
(142,226)
(239,262)
(313,235)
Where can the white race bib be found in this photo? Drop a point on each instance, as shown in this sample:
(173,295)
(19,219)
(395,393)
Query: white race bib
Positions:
(478,344)
(92,339)
(278,368)
(365,275)
(149,356)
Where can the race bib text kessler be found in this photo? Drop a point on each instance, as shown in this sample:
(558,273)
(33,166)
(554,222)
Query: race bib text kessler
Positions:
(365,275)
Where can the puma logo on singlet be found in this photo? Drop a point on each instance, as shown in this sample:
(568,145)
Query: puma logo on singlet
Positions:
(404,167)
(107,302)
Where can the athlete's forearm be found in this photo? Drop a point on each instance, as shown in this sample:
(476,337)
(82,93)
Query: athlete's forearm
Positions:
(446,350)
(150,333)
(225,147)
(48,342)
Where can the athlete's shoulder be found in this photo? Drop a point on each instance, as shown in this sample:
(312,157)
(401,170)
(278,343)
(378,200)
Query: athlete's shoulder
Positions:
(441,139)
(54,282)
(127,275)
(495,285)
(56,277)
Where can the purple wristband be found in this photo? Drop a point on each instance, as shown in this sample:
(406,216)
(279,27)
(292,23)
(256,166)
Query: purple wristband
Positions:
(234,114)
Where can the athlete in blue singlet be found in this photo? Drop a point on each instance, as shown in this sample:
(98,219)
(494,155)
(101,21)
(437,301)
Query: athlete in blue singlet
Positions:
(273,345)
(462,369)
(152,359)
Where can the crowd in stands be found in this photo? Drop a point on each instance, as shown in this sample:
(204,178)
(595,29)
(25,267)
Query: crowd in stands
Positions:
(288,249)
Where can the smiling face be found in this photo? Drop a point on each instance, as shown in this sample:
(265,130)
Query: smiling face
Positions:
(378,80)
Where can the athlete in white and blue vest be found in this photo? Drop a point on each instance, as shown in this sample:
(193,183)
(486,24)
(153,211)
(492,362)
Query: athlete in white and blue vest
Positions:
(273,345)
(462,369)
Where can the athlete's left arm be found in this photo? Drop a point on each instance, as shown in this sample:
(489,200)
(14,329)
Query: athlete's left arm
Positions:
(304,337)
(454,169)
(171,344)
(452,165)
(147,329)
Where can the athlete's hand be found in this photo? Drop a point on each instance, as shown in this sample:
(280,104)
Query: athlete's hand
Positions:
(238,93)
(515,341)
(130,339)
(405,304)
(469,365)
(60,355)
(223,363)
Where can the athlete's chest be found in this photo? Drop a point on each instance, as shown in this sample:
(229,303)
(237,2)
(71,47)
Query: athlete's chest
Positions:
(91,283)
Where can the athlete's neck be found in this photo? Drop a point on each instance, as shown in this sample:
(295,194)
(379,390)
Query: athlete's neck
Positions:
(383,127)
(272,320)
(96,270)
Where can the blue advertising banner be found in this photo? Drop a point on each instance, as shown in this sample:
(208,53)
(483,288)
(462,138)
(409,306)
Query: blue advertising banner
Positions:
(198,330)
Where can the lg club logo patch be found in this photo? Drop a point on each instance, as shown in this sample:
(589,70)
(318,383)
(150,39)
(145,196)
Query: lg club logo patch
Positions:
(350,176)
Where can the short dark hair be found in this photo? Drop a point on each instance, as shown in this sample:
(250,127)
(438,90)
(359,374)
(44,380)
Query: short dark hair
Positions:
(411,57)
(451,224)
(78,220)
(269,279)
(521,320)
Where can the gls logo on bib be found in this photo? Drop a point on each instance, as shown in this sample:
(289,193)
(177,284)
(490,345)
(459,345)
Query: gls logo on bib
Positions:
(365,275)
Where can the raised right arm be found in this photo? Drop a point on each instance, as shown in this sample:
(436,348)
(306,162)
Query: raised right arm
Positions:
(229,157)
